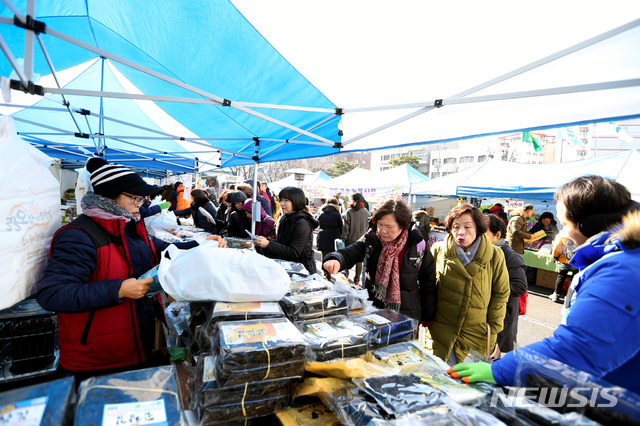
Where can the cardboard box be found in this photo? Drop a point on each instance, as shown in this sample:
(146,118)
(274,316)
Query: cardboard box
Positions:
(546,278)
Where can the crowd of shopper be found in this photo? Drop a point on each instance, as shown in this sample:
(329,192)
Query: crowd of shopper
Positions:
(465,288)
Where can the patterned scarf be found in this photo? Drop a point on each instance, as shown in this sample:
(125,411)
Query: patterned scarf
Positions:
(387,285)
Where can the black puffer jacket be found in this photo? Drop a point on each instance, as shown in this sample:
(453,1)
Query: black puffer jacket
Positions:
(294,240)
(330,228)
(518,286)
(418,291)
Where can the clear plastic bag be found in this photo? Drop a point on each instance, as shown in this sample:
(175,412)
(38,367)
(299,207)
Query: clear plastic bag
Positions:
(387,326)
(258,350)
(155,389)
(353,406)
(408,356)
(57,397)
(306,306)
(314,282)
(400,394)
(334,337)
(357,298)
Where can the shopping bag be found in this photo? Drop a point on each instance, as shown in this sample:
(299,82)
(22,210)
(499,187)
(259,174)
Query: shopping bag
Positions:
(207,273)
(30,214)
(163,221)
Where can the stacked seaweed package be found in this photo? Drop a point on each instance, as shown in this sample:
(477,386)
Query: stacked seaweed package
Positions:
(334,337)
(387,327)
(251,371)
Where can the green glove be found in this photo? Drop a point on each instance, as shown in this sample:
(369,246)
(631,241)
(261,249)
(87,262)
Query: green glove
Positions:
(164,205)
(472,372)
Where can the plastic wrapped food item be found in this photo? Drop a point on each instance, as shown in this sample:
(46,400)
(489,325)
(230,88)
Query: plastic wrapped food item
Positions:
(133,396)
(314,282)
(408,356)
(400,394)
(315,414)
(248,351)
(215,414)
(314,385)
(47,404)
(334,337)
(353,406)
(209,391)
(387,326)
(357,297)
(306,306)
(293,268)
(349,368)
(230,311)
(458,392)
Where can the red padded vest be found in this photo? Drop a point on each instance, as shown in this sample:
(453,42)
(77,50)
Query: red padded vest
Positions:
(108,337)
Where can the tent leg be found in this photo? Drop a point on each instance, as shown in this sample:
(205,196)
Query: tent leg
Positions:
(255,217)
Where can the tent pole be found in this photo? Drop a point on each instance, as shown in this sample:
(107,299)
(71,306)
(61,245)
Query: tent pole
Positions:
(196,170)
(29,43)
(255,217)
(217,99)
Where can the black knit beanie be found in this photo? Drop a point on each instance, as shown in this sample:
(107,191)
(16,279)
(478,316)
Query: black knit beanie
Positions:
(110,180)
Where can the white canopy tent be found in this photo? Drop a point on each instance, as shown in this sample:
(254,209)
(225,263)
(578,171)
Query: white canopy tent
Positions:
(420,72)
(497,178)
(375,185)
(309,181)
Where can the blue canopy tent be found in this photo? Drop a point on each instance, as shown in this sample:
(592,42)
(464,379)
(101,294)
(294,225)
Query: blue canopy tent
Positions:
(158,85)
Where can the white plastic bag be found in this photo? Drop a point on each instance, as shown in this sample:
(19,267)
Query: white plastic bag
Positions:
(83,185)
(30,214)
(163,221)
(207,273)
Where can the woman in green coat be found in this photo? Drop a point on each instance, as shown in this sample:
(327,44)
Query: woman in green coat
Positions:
(473,288)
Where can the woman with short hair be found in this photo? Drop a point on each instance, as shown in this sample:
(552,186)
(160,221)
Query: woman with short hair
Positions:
(294,231)
(473,287)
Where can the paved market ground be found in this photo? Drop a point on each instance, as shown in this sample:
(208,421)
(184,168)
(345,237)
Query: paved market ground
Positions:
(542,317)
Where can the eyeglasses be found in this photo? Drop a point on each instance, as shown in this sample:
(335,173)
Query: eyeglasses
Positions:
(136,200)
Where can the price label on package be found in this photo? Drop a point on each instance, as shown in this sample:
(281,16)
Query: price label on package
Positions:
(135,413)
(23,413)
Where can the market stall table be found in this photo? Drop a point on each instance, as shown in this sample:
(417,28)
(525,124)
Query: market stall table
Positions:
(546,265)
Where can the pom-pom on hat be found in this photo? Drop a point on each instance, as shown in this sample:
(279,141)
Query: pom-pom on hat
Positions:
(110,180)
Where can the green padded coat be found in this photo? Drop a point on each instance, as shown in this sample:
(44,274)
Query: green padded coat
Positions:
(469,298)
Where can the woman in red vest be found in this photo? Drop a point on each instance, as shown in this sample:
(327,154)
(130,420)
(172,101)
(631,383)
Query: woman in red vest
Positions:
(105,320)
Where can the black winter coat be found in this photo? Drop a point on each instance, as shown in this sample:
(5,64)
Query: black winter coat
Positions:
(330,228)
(294,240)
(238,223)
(418,291)
(518,285)
(220,227)
(200,220)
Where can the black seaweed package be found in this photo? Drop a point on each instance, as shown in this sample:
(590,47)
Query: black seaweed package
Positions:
(353,406)
(400,394)
(409,356)
(236,311)
(334,337)
(314,282)
(263,372)
(320,304)
(390,339)
(211,393)
(49,402)
(293,268)
(148,396)
(215,414)
(241,345)
(385,322)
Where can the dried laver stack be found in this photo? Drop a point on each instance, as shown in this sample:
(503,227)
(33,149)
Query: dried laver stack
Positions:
(334,337)
(387,326)
(131,397)
(237,311)
(314,282)
(317,304)
(250,371)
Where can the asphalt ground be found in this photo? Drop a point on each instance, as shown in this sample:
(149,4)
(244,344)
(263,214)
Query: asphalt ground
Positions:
(542,317)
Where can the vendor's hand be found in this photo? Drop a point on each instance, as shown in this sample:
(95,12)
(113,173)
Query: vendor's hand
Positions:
(221,242)
(164,205)
(134,289)
(472,372)
(261,242)
(331,266)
